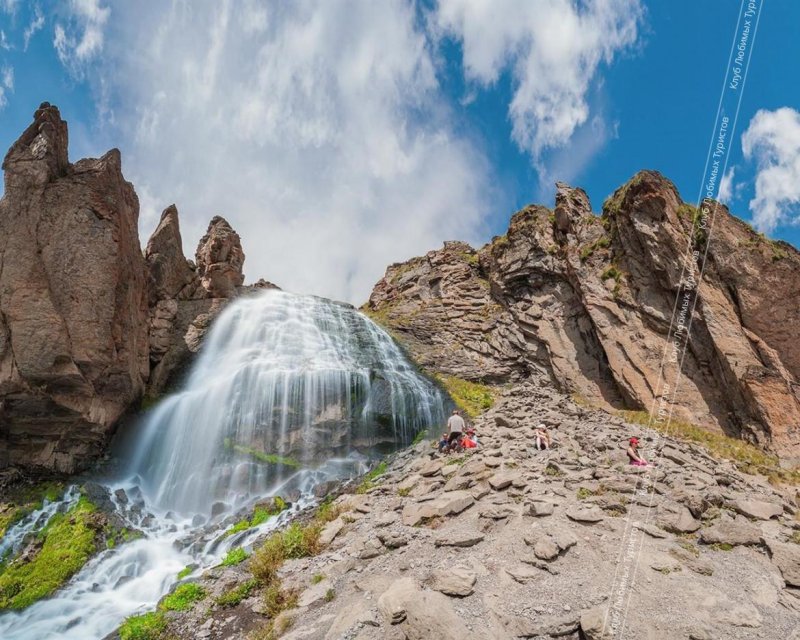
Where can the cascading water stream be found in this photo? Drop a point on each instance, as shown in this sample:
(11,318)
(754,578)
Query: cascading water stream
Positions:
(288,392)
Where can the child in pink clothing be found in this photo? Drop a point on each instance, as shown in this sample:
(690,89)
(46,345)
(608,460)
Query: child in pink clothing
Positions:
(633,453)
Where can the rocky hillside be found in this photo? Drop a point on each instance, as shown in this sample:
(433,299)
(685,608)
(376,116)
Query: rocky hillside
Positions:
(588,301)
(509,542)
(87,324)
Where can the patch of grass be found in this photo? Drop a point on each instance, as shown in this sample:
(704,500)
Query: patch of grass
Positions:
(234,596)
(472,397)
(689,546)
(234,557)
(584,493)
(184,572)
(601,243)
(722,546)
(317,578)
(278,599)
(795,537)
(419,437)
(553,472)
(611,272)
(330,594)
(261,456)
(369,479)
(275,629)
(403,492)
(260,515)
(26,499)
(183,598)
(148,626)
(68,541)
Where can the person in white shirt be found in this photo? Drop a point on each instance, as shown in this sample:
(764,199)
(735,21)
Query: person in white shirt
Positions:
(456,426)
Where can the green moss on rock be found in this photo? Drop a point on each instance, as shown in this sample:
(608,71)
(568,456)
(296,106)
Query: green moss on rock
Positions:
(67,543)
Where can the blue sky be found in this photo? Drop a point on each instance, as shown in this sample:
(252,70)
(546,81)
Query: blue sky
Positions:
(338,137)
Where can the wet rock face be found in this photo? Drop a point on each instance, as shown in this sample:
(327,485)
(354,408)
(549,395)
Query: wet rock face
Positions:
(587,300)
(73,302)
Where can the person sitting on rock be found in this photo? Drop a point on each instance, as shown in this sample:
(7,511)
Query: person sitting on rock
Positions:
(633,453)
(470,440)
(443,442)
(541,437)
(456,426)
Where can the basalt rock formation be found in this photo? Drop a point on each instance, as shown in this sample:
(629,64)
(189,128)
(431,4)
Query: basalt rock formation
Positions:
(591,302)
(84,317)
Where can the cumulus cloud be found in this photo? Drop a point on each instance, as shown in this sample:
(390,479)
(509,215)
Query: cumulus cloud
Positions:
(318,129)
(772,140)
(80,38)
(552,48)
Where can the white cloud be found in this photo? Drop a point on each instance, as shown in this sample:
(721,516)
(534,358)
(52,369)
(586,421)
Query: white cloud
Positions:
(772,140)
(552,48)
(81,37)
(318,129)
(726,186)
(4,44)
(36,24)
(9,6)
(6,84)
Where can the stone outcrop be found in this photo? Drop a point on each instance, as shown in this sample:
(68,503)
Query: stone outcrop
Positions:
(87,324)
(73,300)
(590,301)
(184,296)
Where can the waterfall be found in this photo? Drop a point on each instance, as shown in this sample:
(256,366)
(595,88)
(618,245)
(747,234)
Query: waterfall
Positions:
(289,391)
(283,381)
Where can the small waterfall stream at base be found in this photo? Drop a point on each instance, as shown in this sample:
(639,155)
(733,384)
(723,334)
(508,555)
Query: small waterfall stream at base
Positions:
(289,392)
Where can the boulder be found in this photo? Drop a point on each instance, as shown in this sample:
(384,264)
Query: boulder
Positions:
(757,509)
(458,539)
(447,504)
(456,581)
(731,533)
(786,557)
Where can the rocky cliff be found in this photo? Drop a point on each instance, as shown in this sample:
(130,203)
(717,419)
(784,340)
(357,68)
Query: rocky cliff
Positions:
(591,302)
(87,324)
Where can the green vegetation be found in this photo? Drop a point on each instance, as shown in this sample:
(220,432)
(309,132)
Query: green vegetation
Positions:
(297,541)
(611,272)
(613,203)
(261,514)
(25,500)
(317,578)
(68,541)
(601,243)
(795,537)
(149,626)
(722,546)
(369,479)
(185,572)
(234,556)
(260,456)
(473,398)
(469,258)
(277,599)
(419,437)
(234,596)
(584,493)
(403,492)
(330,594)
(184,596)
